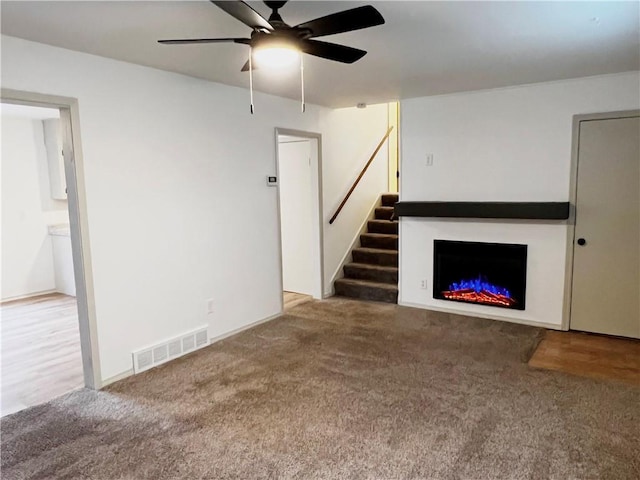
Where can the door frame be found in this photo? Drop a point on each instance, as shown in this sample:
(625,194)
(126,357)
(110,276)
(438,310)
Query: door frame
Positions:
(573,198)
(78,222)
(319,235)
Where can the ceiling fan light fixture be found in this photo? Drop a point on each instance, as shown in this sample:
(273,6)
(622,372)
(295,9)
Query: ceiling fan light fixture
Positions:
(276,45)
(276,55)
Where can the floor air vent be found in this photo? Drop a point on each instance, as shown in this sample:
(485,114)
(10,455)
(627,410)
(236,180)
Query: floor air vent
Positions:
(160,353)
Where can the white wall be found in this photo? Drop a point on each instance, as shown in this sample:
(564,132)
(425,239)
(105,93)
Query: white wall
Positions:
(511,144)
(178,208)
(296,216)
(350,137)
(27,210)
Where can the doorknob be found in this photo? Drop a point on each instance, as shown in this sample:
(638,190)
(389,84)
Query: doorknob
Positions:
(582,242)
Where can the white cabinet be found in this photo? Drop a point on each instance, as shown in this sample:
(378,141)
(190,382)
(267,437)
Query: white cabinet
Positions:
(55,158)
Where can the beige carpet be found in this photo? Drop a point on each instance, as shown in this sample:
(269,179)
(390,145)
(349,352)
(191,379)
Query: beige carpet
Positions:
(340,389)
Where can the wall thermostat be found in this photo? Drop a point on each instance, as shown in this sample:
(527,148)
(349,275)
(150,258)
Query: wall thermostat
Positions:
(272,181)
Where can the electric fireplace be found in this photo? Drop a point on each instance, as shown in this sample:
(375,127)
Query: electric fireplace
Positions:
(492,274)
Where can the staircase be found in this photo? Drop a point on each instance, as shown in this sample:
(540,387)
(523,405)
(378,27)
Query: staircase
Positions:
(373,274)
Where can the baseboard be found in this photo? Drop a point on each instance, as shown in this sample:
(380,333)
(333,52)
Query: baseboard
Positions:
(244,328)
(28,295)
(531,323)
(128,373)
(116,378)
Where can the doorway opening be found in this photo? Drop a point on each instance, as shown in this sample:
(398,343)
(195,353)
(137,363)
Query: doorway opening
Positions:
(48,337)
(299,159)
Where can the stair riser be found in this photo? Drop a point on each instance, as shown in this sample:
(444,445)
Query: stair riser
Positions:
(389,259)
(384,213)
(390,228)
(366,293)
(389,200)
(377,242)
(371,274)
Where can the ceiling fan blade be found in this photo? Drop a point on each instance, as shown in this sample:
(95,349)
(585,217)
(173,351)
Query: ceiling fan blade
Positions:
(346,21)
(332,51)
(188,41)
(243,12)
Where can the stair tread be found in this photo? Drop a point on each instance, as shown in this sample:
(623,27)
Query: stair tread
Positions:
(371,272)
(368,283)
(384,220)
(380,235)
(372,266)
(375,250)
(388,227)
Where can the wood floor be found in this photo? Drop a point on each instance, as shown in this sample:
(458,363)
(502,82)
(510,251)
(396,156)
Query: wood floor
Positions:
(40,350)
(589,355)
(292,299)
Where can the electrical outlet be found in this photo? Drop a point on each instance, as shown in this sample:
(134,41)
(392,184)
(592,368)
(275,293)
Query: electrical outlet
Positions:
(210,306)
(423,284)
(429,159)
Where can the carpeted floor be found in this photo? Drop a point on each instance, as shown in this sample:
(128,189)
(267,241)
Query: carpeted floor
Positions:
(340,389)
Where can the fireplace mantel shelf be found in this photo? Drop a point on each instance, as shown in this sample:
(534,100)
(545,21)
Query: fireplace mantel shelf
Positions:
(501,210)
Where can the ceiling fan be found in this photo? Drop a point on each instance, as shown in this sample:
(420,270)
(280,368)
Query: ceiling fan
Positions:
(274,33)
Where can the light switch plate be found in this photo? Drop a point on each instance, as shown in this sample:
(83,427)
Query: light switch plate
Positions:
(272,181)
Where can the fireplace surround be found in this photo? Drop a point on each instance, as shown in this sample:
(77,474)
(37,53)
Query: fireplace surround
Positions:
(492,274)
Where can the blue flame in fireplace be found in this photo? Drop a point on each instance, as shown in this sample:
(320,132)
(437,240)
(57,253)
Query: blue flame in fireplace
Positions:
(478,285)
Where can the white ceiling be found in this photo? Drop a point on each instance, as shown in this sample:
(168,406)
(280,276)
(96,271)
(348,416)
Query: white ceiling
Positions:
(25,111)
(425,48)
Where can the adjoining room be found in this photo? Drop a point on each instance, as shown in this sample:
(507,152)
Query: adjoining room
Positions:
(41,355)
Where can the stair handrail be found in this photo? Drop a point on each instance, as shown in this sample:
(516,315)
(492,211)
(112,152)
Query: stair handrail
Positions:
(353,187)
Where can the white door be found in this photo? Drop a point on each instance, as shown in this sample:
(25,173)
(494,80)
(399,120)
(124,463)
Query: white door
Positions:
(606,272)
(296,216)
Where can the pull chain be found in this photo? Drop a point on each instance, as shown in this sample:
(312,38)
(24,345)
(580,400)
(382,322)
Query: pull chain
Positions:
(251,77)
(302,81)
